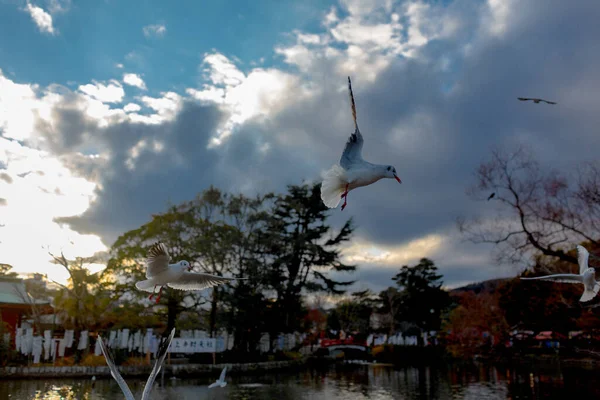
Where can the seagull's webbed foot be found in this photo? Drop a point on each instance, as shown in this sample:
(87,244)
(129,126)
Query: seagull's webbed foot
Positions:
(345,197)
(152,295)
(159,293)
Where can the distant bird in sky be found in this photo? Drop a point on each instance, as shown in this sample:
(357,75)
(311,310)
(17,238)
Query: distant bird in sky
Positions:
(491,195)
(586,276)
(352,171)
(536,101)
(114,371)
(221,381)
(160,273)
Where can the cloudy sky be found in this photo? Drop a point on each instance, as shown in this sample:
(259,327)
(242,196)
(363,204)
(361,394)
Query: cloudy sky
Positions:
(111,110)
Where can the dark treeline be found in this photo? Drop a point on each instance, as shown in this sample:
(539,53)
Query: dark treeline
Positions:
(287,251)
(281,244)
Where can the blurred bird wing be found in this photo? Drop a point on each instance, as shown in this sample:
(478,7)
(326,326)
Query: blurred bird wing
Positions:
(114,371)
(160,359)
(222,377)
(564,278)
(198,281)
(353,149)
(158,259)
(582,258)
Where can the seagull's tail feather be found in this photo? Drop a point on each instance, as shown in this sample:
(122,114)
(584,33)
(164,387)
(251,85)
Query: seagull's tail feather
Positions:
(333,186)
(587,295)
(147,285)
(590,294)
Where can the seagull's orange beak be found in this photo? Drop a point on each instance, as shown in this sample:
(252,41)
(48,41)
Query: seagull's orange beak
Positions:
(398,179)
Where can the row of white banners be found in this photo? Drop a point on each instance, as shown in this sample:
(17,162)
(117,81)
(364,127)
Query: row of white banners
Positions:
(398,339)
(190,342)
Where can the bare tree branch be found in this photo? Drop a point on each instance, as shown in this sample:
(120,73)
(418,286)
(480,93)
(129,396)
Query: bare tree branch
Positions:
(540,212)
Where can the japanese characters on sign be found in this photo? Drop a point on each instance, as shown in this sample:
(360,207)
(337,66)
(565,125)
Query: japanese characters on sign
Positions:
(191,345)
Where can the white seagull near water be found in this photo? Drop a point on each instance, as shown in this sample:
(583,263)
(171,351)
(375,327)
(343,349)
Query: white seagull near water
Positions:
(114,371)
(352,171)
(177,276)
(587,276)
(221,381)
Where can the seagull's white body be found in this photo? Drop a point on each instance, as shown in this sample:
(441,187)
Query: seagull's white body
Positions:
(221,381)
(160,273)
(114,371)
(352,171)
(586,275)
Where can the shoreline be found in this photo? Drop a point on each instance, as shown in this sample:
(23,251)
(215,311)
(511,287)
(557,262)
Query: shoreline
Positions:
(177,370)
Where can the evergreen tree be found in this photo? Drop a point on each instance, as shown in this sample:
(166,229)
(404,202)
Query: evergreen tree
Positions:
(303,250)
(422,300)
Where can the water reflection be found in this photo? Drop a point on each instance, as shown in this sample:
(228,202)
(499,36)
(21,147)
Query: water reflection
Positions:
(548,381)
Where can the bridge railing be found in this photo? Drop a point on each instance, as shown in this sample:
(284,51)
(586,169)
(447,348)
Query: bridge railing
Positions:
(338,342)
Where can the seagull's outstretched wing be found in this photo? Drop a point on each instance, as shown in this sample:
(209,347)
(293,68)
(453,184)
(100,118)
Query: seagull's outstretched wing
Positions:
(212,385)
(160,358)
(535,100)
(198,281)
(353,150)
(114,371)
(582,258)
(158,260)
(222,376)
(565,278)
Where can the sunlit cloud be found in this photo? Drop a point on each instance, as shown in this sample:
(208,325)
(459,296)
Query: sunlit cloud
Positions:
(41,190)
(361,251)
(112,92)
(42,19)
(134,80)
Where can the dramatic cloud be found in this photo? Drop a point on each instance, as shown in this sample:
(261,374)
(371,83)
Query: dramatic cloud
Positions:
(157,30)
(134,80)
(42,19)
(435,86)
(30,204)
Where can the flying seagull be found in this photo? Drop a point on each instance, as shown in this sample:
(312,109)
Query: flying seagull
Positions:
(160,273)
(536,101)
(352,171)
(114,371)
(221,381)
(586,276)
(491,195)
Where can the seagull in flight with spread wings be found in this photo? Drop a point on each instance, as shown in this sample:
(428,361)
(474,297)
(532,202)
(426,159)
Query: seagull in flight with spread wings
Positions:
(221,381)
(114,371)
(352,171)
(536,101)
(587,276)
(177,276)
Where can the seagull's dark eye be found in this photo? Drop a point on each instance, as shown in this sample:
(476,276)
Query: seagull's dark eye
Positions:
(389,168)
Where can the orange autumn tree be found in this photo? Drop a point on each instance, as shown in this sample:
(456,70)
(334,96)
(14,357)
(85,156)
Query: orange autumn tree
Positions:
(476,324)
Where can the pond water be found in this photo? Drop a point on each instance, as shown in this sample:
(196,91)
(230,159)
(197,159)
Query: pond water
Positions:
(544,381)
